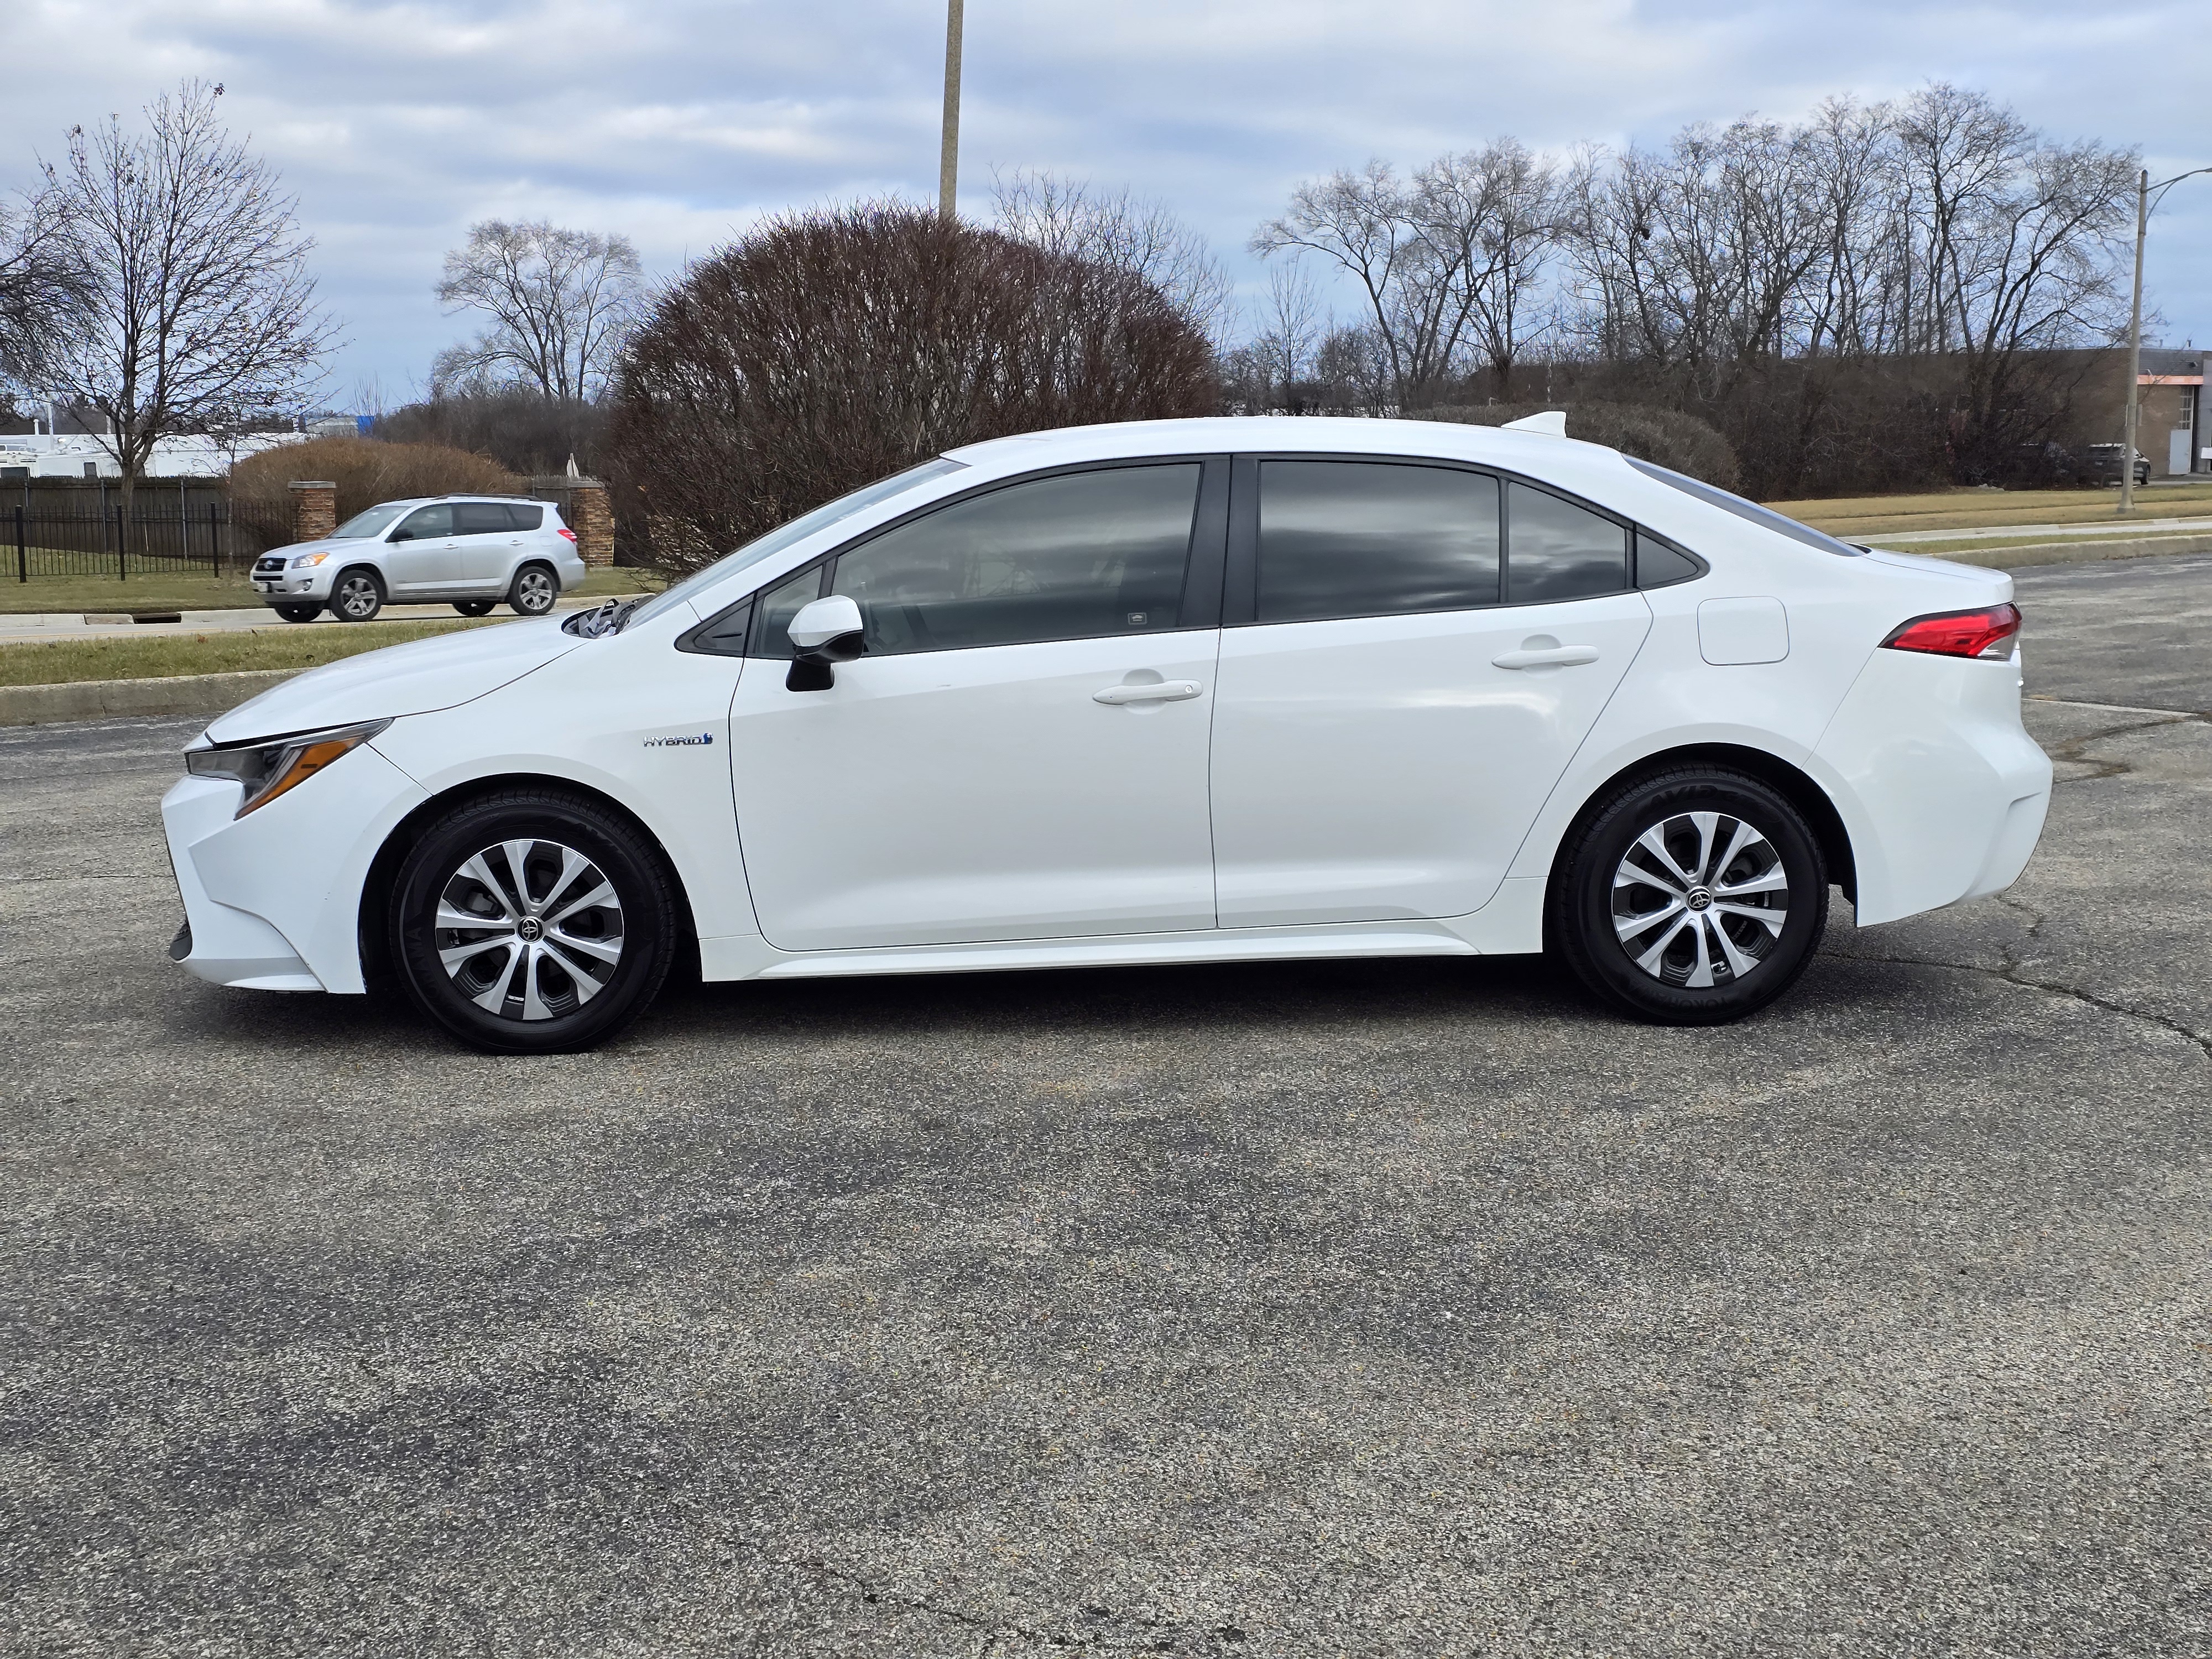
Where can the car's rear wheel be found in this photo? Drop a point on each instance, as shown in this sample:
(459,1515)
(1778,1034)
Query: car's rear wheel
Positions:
(299,612)
(356,595)
(475,607)
(535,589)
(1692,897)
(533,923)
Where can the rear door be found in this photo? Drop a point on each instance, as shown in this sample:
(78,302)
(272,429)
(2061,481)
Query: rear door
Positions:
(1021,753)
(490,545)
(1413,653)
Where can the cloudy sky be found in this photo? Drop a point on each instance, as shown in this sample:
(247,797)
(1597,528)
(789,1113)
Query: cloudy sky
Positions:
(678,121)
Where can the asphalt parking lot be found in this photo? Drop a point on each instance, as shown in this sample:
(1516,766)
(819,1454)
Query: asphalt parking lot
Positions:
(1379,1309)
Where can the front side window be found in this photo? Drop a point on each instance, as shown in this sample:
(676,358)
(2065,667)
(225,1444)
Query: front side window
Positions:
(1555,550)
(1076,557)
(1371,538)
(364,524)
(426,523)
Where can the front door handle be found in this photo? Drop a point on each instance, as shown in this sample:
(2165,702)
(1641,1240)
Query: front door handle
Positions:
(1558,656)
(1165,691)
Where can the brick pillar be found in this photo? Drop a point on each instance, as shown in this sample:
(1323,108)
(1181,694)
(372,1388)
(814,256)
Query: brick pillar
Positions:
(583,503)
(314,509)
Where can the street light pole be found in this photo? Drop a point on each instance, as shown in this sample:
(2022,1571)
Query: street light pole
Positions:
(948,156)
(2134,349)
(2143,189)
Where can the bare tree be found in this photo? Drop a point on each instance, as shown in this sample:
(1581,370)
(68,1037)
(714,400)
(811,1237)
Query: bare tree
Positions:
(561,302)
(39,286)
(1491,217)
(1121,232)
(194,309)
(1293,326)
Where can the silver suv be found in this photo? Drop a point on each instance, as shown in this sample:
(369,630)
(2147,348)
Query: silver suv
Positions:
(469,550)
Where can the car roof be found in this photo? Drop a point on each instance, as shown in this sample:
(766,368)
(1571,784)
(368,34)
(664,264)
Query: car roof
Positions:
(1327,434)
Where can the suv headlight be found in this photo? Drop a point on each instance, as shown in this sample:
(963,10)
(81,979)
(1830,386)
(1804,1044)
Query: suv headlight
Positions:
(309,561)
(269,767)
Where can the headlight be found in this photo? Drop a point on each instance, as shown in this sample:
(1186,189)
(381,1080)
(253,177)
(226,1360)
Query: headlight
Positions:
(309,561)
(268,769)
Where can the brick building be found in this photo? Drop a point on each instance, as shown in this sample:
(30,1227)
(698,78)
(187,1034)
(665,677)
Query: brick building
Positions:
(2170,431)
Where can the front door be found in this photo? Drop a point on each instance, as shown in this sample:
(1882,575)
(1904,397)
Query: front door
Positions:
(423,557)
(1021,753)
(1386,729)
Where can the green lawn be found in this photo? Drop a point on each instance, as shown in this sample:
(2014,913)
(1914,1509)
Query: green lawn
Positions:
(67,661)
(201,592)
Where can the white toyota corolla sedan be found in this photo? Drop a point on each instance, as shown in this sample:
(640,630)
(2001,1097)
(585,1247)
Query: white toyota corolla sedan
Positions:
(1210,690)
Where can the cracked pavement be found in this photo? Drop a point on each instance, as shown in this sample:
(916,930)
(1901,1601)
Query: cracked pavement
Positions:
(1397,1308)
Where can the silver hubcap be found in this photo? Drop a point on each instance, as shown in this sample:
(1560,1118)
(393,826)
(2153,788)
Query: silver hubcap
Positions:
(529,930)
(535,589)
(357,595)
(1699,900)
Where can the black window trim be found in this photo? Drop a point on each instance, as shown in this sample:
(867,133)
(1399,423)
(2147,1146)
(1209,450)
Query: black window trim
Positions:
(1241,594)
(1202,568)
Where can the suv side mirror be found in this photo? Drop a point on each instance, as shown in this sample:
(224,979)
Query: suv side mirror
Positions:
(824,633)
(402,534)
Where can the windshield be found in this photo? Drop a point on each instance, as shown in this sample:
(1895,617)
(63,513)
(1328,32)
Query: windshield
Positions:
(790,534)
(1765,517)
(371,523)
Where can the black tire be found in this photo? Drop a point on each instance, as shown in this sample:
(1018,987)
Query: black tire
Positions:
(1695,981)
(298,612)
(530,972)
(535,589)
(475,607)
(357,595)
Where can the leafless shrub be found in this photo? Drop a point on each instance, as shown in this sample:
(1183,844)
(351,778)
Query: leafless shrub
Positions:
(523,431)
(1114,228)
(825,351)
(1666,437)
(365,472)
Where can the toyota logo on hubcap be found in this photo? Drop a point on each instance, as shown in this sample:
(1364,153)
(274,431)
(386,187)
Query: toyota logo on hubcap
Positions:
(531,930)
(1701,899)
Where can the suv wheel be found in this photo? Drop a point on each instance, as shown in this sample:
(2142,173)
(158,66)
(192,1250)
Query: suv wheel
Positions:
(356,595)
(532,921)
(535,589)
(1692,898)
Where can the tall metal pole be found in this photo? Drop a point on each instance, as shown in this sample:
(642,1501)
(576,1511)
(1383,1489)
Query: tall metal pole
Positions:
(948,156)
(2134,349)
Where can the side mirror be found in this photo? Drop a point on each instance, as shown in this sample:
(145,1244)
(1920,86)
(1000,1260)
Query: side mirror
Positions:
(824,633)
(402,534)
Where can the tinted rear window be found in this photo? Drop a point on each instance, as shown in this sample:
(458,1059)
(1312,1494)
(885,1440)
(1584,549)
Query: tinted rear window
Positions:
(1368,538)
(1558,551)
(1765,517)
(480,519)
(525,518)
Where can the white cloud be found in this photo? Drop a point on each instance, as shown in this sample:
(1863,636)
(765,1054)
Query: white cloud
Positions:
(399,123)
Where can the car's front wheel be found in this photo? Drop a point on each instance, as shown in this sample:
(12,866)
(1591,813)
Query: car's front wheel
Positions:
(1692,897)
(534,921)
(356,596)
(299,612)
(534,590)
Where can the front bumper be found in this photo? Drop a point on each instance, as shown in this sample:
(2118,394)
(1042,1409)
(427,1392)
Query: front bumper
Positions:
(272,901)
(292,587)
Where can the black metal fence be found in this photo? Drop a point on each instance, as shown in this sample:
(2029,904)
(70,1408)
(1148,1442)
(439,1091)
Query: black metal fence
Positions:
(171,536)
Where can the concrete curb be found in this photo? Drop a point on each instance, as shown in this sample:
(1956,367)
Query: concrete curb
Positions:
(107,699)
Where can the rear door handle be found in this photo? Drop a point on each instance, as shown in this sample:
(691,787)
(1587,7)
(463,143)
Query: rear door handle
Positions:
(1166,691)
(1558,656)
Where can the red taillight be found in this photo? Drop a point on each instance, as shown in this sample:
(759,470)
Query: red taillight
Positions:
(1986,633)
(567,533)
